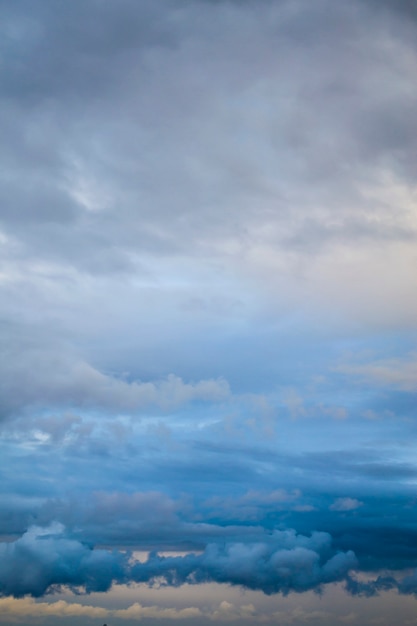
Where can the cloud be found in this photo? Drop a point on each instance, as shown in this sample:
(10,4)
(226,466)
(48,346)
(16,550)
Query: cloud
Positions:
(200,162)
(39,371)
(198,197)
(137,611)
(345,504)
(190,172)
(252,505)
(394,373)
(282,562)
(147,520)
(12,609)
(286,562)
(45,557)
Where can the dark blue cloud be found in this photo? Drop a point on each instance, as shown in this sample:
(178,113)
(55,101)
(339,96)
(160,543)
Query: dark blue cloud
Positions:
(44,558)
(282,562)
(279,562)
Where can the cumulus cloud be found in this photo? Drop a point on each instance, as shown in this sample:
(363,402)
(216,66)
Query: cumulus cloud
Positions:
(281,562)
(45,557)
(137,611)
(13,609)
(224,611)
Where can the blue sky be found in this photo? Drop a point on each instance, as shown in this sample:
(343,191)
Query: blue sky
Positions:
(208,227)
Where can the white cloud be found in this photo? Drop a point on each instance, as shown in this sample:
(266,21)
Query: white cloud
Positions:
(345,504)
(12,609)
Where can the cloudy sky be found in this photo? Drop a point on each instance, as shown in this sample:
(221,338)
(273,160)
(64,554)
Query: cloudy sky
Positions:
(208,312)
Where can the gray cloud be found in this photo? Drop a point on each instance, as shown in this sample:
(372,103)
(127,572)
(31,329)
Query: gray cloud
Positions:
(89,44)
(174,78)
(38,371)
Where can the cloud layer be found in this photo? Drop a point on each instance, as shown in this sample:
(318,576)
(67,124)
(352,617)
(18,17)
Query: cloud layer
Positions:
(45,559)
(207,298)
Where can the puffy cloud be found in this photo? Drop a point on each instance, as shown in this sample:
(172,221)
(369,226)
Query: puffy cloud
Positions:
(137,611)
(45,558)
(13,609)
(283,563)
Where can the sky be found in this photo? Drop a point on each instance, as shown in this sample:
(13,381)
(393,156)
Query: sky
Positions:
(208,312)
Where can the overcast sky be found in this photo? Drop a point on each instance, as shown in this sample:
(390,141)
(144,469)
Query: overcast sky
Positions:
(208,312)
